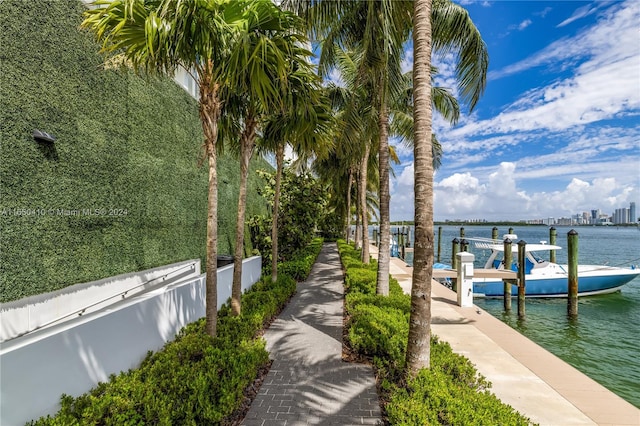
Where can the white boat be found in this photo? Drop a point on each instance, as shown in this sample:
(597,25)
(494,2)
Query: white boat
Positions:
(544,278)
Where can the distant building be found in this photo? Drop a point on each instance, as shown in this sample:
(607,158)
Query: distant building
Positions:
(633,218)
(621,216)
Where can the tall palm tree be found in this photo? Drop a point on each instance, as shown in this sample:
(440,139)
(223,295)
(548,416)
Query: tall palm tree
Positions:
(158,36)
(359,130)
(306,125)
(418,353)
(264,59)
(382,27)
(379,29)
(446,28)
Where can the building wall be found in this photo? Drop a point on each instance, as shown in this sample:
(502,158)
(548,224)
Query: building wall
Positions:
(120,189)
(75,355)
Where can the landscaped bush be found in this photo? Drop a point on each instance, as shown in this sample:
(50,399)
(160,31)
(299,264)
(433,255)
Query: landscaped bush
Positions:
(193,380)
(299,266)
(360,280)
(451,392)
(302,203)
(379,331)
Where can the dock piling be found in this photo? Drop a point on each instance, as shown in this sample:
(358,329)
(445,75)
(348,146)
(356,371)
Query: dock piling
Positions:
(439,242)
(572,283)
(521,280)
(552,240)
(462,232)
(494,233)
(508,260)
(454,260)
(464,245)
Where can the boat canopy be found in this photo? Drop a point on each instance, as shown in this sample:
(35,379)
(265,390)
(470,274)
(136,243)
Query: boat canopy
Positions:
(489,244)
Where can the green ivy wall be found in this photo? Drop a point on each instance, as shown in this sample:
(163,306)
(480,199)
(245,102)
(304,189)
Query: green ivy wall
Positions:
(121,189)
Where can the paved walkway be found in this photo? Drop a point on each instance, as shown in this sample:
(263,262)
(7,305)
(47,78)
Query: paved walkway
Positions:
(308,383)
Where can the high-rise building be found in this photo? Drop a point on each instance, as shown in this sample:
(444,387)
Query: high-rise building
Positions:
(621,216)
(633,218)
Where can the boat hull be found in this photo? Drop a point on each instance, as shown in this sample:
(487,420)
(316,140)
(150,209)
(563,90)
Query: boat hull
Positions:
(547,286)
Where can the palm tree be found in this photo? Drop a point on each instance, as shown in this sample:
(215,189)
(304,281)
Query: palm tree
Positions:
(160,36)
(306,125)
(418,354)
(381,27)
(264,58)
(358,130)
(447,28)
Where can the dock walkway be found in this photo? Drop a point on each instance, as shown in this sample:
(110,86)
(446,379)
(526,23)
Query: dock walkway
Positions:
(523,374)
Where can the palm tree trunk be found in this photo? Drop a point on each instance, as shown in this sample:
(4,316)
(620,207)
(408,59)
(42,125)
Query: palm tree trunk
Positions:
(209,114)
(276,208)
(358,214)
(363,203)
(418,348)
(349,186)
(247,142)
(385,226)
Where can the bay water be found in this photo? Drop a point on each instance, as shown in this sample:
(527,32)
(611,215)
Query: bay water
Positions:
(604,341)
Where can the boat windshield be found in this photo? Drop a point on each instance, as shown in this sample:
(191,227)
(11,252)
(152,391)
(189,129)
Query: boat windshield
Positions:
(537,258)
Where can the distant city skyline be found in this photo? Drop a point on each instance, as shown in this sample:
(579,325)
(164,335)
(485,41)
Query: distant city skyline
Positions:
(620,216)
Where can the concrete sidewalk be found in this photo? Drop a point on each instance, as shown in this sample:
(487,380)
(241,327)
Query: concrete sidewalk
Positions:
(308,383)
(523,374)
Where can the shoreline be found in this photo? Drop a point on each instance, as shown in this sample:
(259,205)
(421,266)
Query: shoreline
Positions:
(524,375)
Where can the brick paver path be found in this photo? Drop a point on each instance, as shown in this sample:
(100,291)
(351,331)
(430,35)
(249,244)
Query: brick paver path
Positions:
(308,383)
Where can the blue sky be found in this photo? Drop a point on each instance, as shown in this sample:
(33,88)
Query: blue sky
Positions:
(558,129)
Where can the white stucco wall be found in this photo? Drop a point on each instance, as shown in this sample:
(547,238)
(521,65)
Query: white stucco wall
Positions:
(73,356)
(25,315)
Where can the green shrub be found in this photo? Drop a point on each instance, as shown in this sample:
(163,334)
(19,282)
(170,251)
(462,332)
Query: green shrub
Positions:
(299,266)
(451,392)
(379,332)
(361,280)
(193,380)
(190,382)
(393,301)
(302,203)
(436,396)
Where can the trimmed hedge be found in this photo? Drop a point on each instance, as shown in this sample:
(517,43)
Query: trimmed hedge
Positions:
(120,189)
(451,392)
(300,264)
(194,379)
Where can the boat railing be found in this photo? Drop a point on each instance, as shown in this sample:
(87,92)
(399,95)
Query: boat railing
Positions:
(483,243)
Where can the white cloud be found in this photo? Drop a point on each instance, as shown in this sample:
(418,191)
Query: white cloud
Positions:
(524,24)
(582,12)
(615,36)
(498,196)
(544,12)
(335,77)
(406,64)
(579,133)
